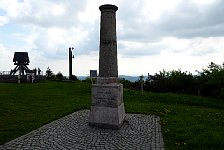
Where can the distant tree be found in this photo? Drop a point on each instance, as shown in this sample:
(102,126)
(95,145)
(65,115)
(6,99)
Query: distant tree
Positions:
(39,71)
(74,78)
(174,81)
(211,81)
(208,82)
(130,85)
(59,76)
(49,73)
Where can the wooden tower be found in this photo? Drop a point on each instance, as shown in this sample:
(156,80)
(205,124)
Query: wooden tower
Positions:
(21,60)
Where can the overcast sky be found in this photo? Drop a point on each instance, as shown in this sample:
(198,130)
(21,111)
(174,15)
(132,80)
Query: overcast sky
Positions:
(152,34)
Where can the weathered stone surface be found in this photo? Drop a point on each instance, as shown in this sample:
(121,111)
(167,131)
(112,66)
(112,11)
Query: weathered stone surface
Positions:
(108,95)
(107,117)
(107,80)
(108,42)
(107,109)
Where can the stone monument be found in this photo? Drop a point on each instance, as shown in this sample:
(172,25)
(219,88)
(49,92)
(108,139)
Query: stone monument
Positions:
(107,107)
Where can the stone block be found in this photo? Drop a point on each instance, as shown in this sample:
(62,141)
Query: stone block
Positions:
(108,95)
(107,109)
(107,117)
(107,80)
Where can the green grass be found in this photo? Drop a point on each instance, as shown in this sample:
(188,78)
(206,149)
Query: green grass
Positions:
(24,107)
(188,122)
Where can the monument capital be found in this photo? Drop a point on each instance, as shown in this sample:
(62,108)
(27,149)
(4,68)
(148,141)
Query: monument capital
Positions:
(108,6)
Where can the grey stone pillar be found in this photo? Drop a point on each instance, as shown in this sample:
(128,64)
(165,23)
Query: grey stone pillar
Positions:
(107,107)
(108,42)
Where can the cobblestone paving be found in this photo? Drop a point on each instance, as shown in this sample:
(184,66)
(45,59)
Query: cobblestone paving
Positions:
(73,132)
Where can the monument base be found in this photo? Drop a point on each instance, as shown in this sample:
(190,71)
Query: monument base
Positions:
(107,117)
(107,109)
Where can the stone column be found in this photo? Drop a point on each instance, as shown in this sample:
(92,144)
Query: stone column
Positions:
(108,42)
(107,107)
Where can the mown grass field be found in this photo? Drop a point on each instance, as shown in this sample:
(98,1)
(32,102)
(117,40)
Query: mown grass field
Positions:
(188,122)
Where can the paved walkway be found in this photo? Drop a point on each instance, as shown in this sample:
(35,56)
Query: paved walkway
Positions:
(73,132)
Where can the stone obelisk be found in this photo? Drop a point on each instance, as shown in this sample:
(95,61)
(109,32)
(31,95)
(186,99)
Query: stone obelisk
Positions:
(107,107)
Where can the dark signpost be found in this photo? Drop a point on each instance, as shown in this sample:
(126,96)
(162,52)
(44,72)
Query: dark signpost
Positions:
(93,73)
(142,83)
(70,56)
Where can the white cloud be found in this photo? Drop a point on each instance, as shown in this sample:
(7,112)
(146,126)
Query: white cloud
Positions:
(6,58)
(57,10)
(152,10)
(3,20)
(206,46)
(193,20)
(10,6)
(136,49)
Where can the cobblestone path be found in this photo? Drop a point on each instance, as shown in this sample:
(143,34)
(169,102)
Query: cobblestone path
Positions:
(73,132)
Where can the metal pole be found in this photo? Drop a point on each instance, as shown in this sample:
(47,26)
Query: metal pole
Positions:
(70,62)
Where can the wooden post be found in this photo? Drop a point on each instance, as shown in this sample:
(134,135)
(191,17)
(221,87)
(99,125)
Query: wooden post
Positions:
(70,62)
(142,83)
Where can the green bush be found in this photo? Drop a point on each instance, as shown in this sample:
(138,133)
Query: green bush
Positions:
(209,82)
(59,76)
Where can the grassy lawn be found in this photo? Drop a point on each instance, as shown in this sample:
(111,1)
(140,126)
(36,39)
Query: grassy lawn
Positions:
(188,122)
(26,107)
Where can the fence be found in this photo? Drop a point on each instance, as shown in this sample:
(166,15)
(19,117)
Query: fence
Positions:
(5,72)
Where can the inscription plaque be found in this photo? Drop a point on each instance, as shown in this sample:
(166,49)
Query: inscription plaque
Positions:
(109,96)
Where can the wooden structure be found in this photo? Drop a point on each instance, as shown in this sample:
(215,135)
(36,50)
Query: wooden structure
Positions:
(21,60)
(70,56)
(21,73)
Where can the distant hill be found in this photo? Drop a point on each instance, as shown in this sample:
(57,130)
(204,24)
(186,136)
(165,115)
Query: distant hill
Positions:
(130,78)
(82,77)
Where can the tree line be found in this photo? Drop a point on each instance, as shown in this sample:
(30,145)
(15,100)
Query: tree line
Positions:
(209,82)
(58,77)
